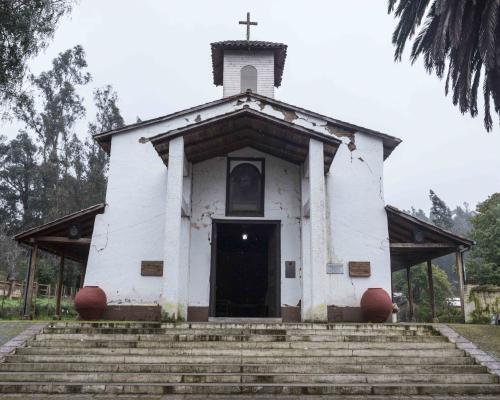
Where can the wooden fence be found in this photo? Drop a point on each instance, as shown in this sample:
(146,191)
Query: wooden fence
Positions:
(15,290)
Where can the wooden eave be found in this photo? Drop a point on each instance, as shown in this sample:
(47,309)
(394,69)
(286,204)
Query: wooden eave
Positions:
(218,49)
(389,142)
(245,127)
(433,242)
(53,236)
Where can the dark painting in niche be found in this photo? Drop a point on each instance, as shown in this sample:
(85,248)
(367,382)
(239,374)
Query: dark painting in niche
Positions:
(245,188)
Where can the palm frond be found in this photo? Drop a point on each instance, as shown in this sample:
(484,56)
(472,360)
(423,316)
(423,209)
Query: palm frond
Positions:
(456,38)
(411,13)
(474,89)
(488,122)
(487,32)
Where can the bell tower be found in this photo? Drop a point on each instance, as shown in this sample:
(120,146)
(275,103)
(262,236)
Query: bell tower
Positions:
(241,65)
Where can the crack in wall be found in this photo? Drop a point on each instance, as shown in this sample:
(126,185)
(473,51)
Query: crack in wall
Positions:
(364,162)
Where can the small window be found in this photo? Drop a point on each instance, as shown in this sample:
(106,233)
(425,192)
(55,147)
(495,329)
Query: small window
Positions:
(245,187)
(249,78)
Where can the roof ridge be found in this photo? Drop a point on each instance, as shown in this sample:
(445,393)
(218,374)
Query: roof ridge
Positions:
(390,142)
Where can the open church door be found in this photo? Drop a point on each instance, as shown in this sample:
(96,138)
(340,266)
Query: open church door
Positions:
(245,271)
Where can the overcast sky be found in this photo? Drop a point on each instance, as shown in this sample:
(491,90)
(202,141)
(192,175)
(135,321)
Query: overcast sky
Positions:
(156,54)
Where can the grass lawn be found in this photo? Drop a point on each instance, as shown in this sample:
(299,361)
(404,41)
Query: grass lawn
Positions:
(9,329)
(10,309)
(486,337)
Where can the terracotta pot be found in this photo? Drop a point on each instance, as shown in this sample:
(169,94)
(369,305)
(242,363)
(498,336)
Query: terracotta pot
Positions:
(90,302)
(376,305)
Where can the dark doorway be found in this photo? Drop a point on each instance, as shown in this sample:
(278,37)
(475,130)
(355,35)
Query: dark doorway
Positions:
(245,276)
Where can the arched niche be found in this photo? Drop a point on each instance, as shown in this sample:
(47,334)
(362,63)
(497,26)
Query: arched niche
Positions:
(249,78)
(245,187)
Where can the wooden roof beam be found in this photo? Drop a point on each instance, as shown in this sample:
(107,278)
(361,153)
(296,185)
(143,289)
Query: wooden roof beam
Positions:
(422,246)
(61,240)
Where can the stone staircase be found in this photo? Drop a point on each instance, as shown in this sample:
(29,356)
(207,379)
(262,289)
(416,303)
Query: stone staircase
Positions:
(132,360)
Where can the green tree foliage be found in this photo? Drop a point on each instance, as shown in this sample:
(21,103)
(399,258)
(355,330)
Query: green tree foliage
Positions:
(47,171)
(440,213)
(10,255)
(26,26)
(108,117)
(420,289)
(19,175)
(50,110)
(457,221)
(484,263)
(420,214)
(459,39)
(462,220)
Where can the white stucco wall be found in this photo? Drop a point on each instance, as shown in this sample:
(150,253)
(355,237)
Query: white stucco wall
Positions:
(132,226)
(357,220)
(282,202)
(235,60)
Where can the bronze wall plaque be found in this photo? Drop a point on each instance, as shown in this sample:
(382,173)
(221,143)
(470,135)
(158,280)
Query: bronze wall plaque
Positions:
(359,269)
(152,268)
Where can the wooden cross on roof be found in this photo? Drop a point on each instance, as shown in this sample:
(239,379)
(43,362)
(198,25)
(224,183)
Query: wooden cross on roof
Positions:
(248,23)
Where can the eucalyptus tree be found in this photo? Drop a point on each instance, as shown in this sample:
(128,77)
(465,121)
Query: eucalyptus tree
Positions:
(19,177)
(108,117)
(49,110)
(440,214)
(459,40)
(26,27)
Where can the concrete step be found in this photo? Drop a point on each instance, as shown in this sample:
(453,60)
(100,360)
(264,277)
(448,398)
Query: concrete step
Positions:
(89,343)
(287,352)
(267,326)
(250,388)
(176,337)
(304,331)
(217,359)
(214,360)
(245,368)
(54,396)
(237,378)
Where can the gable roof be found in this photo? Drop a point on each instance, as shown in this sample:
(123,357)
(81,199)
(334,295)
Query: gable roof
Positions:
(413,241)
(433,233)
(246,127)
(344,128)
(60,228)
(218,49)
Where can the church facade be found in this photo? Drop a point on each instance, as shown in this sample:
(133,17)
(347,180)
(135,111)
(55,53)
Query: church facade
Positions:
(244,207)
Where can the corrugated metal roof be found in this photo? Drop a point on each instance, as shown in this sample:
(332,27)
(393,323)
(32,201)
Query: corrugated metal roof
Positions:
(218,56)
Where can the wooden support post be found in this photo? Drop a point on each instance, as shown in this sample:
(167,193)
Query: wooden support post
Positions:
(59,288)
(460,275)
(392,287)
(432,297)
(410,294)
(28,283)
(83,273)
